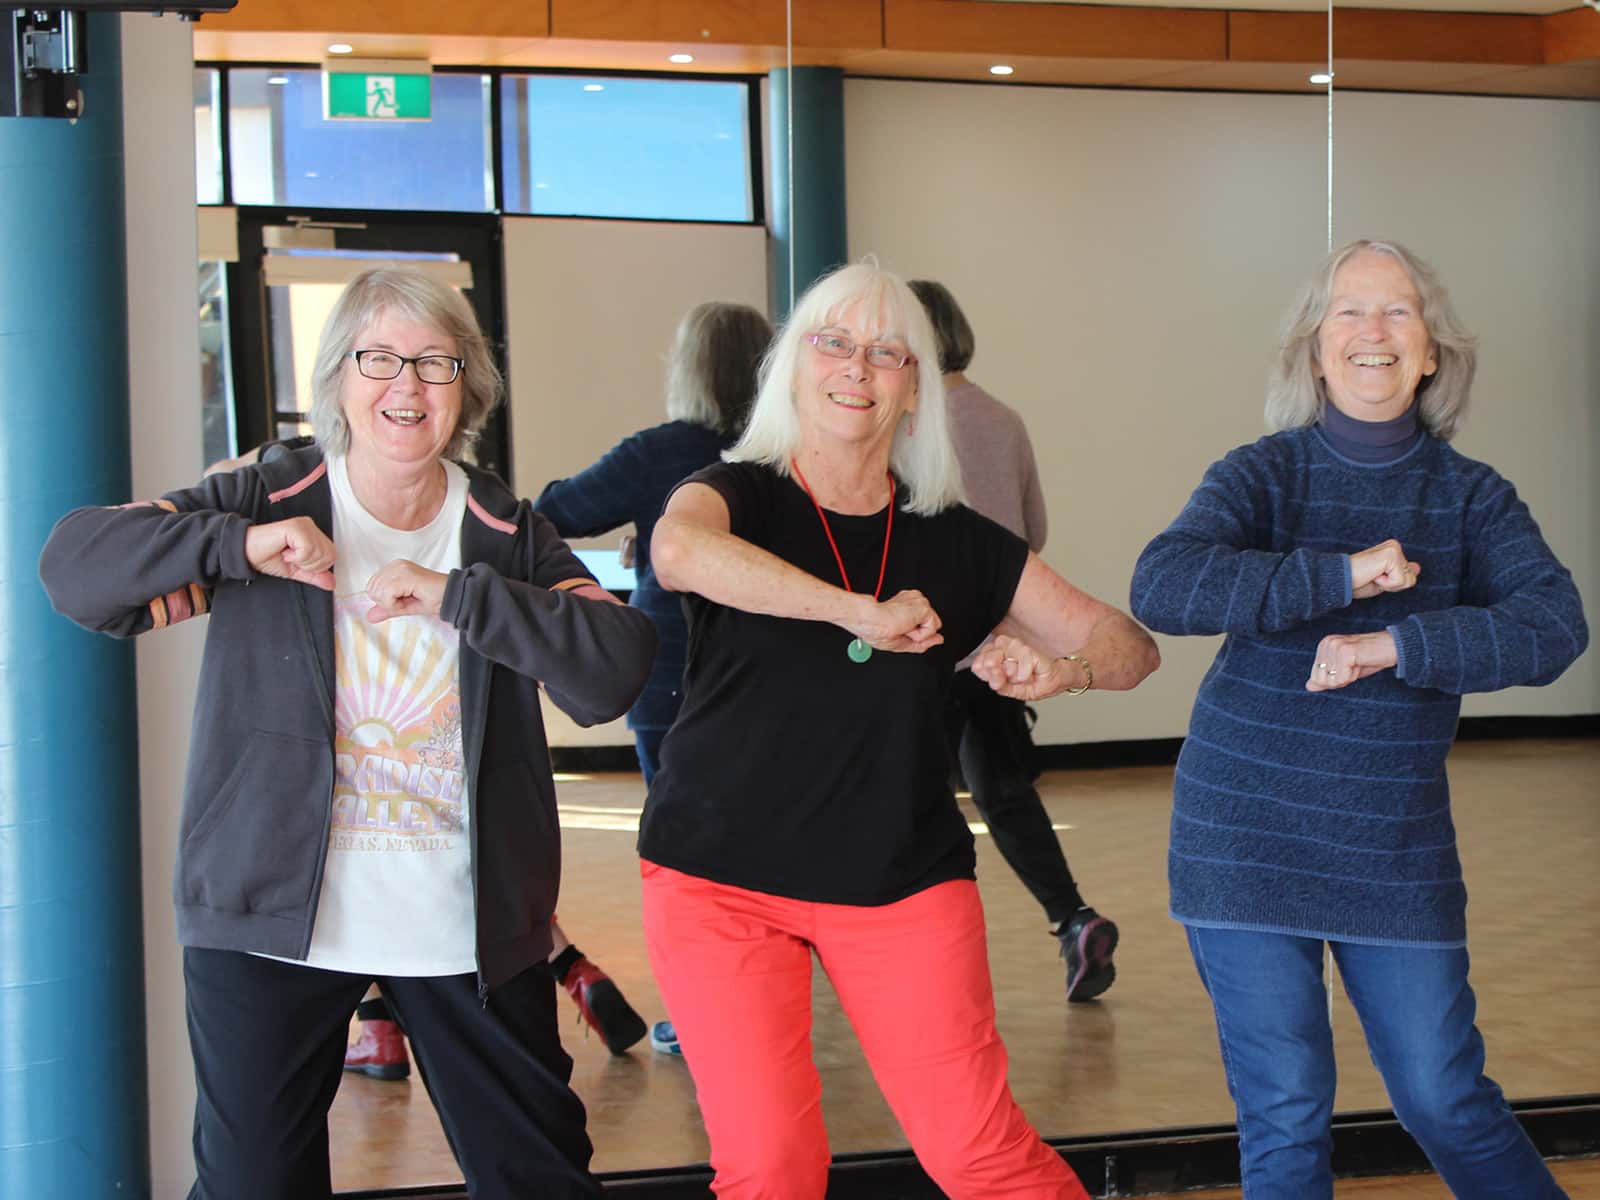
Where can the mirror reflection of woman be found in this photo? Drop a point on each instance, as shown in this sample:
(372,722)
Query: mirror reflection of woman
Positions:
(1367,576)
(833,581)
(711,380)
(369,793)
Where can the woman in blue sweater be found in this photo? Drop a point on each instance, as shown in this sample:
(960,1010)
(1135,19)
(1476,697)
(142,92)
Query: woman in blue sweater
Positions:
(1366,576)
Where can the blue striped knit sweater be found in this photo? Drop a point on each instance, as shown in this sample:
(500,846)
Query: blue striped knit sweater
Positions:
(1328,814)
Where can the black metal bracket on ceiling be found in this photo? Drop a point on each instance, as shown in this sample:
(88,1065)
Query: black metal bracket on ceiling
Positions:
(44,50)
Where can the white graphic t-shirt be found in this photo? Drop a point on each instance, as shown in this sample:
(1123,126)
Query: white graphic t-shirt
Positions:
(397,890)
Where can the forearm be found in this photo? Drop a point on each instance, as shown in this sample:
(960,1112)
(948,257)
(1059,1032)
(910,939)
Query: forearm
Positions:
(1181,586)
(1530,638)
(691,557)
(1119,652)
(104,566)
(592,655)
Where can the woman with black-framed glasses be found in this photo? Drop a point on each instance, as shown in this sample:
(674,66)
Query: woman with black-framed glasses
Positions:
(369,794)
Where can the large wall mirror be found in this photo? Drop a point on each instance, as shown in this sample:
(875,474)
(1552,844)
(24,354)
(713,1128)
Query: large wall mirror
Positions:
(1125,255)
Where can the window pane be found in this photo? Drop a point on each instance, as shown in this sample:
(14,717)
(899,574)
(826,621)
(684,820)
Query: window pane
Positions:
(606,566)
(599,146)
(207,138)
(216,372)
(285,153)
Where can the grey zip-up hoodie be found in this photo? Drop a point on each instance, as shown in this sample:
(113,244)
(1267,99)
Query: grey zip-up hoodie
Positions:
(253,837)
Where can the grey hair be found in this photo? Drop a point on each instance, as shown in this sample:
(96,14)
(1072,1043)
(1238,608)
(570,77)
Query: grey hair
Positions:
(1295,392)
(715,360)
(416,296)
(925,463)
(950,326)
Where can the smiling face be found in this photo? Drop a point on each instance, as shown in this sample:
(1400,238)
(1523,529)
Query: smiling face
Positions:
(849,399)
(401,422)
(1373,347)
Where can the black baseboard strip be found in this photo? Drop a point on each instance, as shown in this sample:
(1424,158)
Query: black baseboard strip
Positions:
(586,760)
(1495,729)
(1137,1164)
(1136,752)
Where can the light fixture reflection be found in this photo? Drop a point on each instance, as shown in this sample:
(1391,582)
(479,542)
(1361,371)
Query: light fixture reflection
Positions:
(680,58)
(1321,79)
(1000,69)
(341,48)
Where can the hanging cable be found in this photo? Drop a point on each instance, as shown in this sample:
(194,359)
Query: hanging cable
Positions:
(1327,948)
(1330,126)
(789,138)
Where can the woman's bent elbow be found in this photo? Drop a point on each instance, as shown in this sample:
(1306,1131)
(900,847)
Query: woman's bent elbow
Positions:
(667,553)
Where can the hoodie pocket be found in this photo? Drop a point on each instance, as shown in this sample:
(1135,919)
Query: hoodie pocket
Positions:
(255,848)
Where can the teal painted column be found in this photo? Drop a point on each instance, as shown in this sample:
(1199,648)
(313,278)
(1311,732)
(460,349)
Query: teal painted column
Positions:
(814,226)
(73,1108)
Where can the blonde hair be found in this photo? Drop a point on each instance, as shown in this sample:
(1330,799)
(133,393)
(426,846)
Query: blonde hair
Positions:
(418,297)
(925,463)
(1296,394)
(715,360)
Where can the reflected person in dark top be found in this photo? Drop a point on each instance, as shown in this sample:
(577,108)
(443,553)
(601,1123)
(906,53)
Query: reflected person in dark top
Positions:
(711,380)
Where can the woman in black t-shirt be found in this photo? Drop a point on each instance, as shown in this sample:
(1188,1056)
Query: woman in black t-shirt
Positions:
(833,579)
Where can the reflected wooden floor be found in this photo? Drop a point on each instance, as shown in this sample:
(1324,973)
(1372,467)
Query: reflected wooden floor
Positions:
(1145,1055)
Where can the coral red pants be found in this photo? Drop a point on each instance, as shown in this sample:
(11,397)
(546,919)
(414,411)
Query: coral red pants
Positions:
(734,968)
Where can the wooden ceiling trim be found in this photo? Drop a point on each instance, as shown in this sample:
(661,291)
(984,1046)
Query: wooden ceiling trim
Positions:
(1277,37)
(1494,38)
(470,18)
(1572,36)
(1059,42)
(824,24)
(1055,30)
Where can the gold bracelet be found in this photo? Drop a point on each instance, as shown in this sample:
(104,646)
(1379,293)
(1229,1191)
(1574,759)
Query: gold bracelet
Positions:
(1088,674)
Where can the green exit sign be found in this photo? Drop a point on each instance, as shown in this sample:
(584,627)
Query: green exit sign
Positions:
(377,90)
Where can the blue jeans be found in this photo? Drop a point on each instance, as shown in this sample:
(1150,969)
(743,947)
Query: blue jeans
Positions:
(1416,1009)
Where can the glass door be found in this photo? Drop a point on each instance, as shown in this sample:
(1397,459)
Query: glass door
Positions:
(292,267)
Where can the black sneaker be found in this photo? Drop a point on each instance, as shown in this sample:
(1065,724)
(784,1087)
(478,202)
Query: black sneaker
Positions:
(1087,942)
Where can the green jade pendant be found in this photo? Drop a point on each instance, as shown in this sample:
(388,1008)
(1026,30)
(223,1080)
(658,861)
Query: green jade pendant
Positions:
(858,651)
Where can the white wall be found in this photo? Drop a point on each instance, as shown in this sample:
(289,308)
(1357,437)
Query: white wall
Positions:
(1125,258)
(164,385)
(591,307)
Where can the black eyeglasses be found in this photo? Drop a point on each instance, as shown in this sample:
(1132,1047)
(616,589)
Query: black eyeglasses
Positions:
(384,364)
(836,345)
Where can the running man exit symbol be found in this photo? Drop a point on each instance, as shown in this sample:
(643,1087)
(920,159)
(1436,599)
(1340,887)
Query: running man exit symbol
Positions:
(380,96)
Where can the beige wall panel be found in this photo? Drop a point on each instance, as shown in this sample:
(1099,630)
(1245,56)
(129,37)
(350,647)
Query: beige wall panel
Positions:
(1125,258)
(1501,196)
(591,307)
(164,416)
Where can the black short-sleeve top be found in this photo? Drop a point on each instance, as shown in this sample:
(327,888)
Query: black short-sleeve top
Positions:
(795,771)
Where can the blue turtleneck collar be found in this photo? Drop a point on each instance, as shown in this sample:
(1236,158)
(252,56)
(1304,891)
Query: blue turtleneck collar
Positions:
(1369,441)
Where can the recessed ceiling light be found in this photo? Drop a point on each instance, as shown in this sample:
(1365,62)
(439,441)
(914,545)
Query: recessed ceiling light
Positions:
(278,80)
(594,87)
(341,48)
(1000,69)
(680,58)
(1321,78)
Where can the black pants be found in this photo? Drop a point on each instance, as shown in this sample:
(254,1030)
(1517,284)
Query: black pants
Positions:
(268,1041)
(990,735)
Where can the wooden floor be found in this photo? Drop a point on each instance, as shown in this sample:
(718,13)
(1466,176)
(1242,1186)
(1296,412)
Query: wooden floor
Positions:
(1580,1178)
(1144,1056)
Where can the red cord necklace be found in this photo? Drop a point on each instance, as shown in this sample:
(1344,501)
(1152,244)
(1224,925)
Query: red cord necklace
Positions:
(857,650)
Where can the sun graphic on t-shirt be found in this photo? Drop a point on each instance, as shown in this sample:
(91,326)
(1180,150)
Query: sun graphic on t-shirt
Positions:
(393,672)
